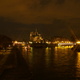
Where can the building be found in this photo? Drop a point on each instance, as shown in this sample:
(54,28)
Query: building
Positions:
(36,37)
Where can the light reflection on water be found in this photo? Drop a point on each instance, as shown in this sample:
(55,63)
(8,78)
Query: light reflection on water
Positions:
(50,63)
(78,65)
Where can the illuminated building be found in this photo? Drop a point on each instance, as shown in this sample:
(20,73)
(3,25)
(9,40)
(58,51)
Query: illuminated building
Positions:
(36,37)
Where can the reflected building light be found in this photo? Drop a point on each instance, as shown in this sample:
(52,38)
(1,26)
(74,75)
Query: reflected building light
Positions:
(78,60)
(78,64)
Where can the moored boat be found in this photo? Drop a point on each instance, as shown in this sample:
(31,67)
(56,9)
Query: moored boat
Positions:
(38,45)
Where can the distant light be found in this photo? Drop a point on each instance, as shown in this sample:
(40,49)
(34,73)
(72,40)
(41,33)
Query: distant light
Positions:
(16,42)
(30,42)
(47,42)
(78,42)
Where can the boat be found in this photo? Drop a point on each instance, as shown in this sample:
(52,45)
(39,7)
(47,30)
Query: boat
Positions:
(38,45)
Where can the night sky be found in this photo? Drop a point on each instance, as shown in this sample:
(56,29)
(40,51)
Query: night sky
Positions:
(51,17)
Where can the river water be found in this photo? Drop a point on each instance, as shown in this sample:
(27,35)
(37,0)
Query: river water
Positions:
(57,63)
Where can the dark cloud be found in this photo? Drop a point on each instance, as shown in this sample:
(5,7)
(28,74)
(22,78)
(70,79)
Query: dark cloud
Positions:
(45,2)
(60,1)
(20,17)
(39,11)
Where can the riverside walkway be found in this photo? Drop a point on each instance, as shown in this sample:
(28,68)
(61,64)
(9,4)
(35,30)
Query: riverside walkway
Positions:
(14,66)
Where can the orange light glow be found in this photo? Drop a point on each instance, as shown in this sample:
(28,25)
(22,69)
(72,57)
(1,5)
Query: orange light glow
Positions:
(78,42)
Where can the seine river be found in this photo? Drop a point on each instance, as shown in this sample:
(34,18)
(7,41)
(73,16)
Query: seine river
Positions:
(53,63)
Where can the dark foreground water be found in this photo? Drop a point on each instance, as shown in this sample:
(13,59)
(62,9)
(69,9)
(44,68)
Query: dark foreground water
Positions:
(53,63)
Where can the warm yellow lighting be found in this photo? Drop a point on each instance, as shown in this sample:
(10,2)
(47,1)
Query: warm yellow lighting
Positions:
(46,41)
(78,42)
(64,46)
(30,42)
(16,42)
